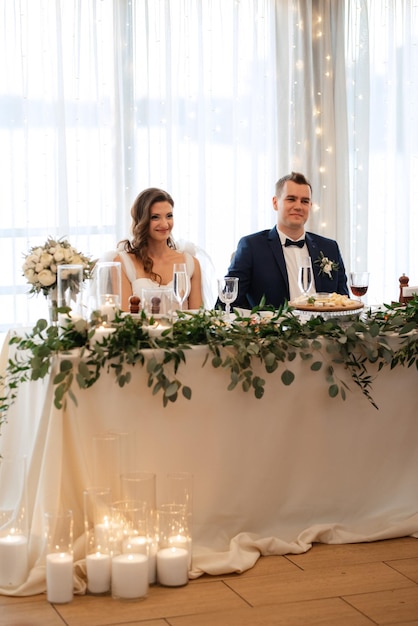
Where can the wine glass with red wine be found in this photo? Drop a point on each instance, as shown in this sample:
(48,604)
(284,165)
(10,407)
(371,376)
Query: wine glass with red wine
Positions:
(359,283)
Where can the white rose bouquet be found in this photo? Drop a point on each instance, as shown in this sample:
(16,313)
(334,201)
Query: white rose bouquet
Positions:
(40,265)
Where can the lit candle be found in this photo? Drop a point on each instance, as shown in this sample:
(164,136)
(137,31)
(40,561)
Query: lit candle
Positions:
(129,576)
(98,572)
(108,308)
(13,560)
(107,533)
(143,545)
(182,541)
(173,567)
(158,327)
(101,333)
(59,577)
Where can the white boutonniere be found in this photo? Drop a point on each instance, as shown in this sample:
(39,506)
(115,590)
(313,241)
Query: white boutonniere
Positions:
(326,266)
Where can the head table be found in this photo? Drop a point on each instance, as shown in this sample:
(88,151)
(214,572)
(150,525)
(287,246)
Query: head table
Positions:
(271,475)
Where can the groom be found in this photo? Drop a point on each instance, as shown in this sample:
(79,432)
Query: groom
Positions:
(267,262)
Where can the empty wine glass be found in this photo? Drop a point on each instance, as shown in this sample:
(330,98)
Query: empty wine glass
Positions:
(359,283)
(228,292)
(305,275)
(181,283)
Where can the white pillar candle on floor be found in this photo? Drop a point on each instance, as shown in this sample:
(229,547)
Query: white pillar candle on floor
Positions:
(143,545)
(152,563)
(59,577)
(107,532)
(13,560)
(129,576)
(137,544)
(98,567)
(173,567)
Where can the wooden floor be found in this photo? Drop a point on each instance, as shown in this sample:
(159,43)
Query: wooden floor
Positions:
(345,585)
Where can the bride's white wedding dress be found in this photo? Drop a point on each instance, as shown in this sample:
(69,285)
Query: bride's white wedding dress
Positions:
(138,284)
(189,249)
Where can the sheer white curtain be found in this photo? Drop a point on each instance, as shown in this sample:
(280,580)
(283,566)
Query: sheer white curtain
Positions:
(61,144)
(212,100)
(107,98)
(382,68)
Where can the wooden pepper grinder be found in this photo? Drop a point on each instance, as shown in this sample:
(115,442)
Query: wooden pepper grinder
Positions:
(134,304)
(403,282)
(155,305)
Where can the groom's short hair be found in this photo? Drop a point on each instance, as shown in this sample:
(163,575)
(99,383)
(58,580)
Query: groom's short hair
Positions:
(296,177)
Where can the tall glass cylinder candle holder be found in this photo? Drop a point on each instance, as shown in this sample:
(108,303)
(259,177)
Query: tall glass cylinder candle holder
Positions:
(107,463)
(131,568)
(70,292)
(140,487)
(13,522)
(174,546)
(100,537)
(59,558)
(108,275)
(180,493)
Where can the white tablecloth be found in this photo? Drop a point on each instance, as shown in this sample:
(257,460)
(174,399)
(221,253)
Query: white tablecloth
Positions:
(271,476)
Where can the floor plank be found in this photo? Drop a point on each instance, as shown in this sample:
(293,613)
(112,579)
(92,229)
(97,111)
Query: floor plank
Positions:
(319,583)
(161,602)
(407,567)
(326,555)
(332,612)
(32,611)
(389,606)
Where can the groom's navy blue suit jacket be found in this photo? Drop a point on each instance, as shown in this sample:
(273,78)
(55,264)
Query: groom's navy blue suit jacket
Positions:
(260,266)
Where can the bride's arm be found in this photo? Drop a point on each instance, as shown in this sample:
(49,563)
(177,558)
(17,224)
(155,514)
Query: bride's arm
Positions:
(195,299)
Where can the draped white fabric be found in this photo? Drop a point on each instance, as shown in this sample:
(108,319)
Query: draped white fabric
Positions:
(212,100)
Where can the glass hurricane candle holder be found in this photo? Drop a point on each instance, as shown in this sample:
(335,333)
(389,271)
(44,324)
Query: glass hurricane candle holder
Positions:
(100,538)
(13,522)
(108,276)
(174,545)
(107,463)
(131,567)
(59,557)
(158,307)
(141,488)
(70,292)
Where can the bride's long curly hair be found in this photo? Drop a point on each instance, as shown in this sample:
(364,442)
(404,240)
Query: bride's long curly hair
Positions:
(141,217)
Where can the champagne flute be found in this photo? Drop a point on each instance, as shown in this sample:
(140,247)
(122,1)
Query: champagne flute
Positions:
(359,283)
(305,275)
(228,292)
(181,283)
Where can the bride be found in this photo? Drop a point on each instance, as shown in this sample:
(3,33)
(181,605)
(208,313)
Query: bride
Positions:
(147,259)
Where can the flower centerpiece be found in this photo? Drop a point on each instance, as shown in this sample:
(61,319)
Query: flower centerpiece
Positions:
(326,265)
(40,267)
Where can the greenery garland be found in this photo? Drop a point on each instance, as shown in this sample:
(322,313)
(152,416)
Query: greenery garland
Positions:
(274,338)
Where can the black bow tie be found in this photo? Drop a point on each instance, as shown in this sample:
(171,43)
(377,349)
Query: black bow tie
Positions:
(299,243)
